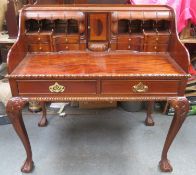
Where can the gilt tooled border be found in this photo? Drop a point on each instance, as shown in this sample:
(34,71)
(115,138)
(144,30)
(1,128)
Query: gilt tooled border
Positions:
(29,76)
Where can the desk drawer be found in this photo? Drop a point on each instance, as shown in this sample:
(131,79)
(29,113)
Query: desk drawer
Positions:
(139,87)
(57,87)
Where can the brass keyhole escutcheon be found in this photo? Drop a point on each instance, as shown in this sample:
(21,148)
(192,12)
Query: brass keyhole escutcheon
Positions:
(56,88)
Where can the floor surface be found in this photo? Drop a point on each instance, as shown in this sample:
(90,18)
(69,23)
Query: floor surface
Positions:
(103,142)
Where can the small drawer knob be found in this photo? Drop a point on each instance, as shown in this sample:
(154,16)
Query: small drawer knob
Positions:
(129,39)
(40,48)
(155,47)
(66,47)
(157,39)
(39,39)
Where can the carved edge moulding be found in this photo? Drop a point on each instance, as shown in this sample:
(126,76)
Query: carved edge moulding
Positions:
(174,76)
(95,98)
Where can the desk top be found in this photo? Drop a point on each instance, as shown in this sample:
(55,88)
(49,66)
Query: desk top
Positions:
(96,64)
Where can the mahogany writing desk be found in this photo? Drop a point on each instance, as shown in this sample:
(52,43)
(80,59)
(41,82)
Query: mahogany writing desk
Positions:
(91,53)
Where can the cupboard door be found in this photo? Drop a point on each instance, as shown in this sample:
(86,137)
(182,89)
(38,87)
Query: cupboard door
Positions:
(98,26)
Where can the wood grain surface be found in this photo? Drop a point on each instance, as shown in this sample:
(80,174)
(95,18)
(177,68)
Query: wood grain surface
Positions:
(97,63)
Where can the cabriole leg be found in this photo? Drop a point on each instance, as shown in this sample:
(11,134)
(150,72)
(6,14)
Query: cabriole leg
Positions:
(181,107)
(43,121)
(149,120)
(14,111)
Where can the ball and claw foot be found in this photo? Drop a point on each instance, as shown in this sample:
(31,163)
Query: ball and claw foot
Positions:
(43,122)
(149,122)
(165,166)
(149,119)
(27,167)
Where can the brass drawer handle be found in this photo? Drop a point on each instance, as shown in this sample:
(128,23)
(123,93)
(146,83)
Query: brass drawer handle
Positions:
(140,87)
(57,88)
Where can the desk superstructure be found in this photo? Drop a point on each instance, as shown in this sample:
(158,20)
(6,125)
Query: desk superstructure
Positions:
(97,53)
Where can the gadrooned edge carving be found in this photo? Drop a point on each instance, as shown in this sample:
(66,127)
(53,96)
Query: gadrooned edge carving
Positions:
(99,75)
(97,98)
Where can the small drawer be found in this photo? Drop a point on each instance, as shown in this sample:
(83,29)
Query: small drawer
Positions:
(156,38)
(162,48)
(150,47)
(66,39)
(124,38)
(123,46)
(163,39)
(136,39)
(39,48)
(139,87)
(38,38)
(155,47)
(129,46)
(57,87)
(63,47)
(151,39)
